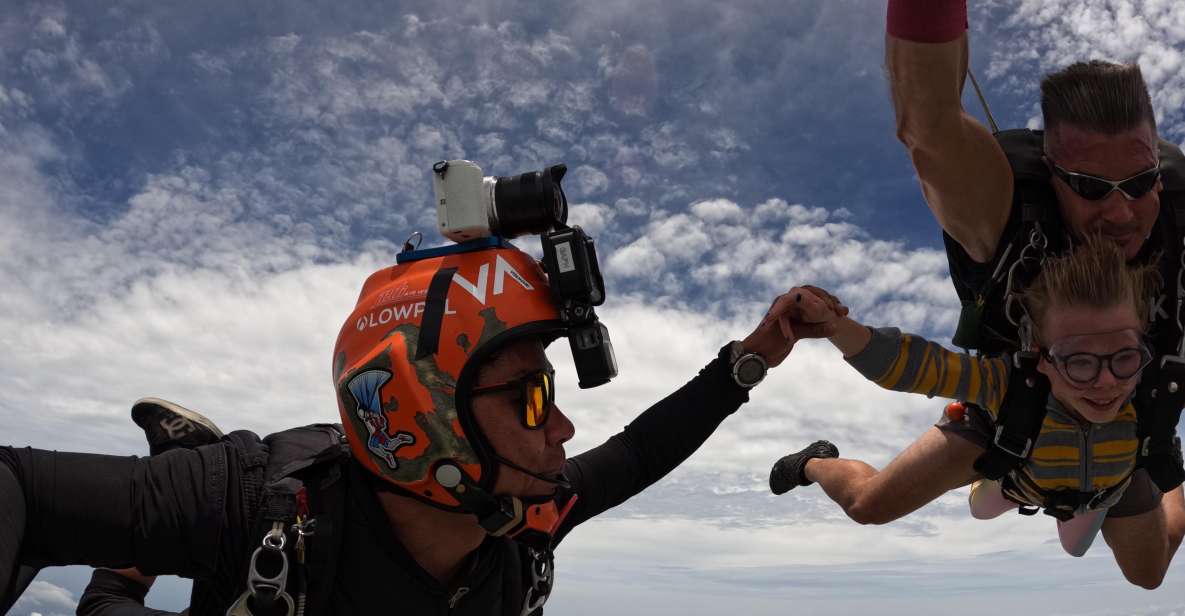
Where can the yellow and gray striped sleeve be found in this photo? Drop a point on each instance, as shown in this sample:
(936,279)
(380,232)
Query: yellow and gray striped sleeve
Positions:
(909,363)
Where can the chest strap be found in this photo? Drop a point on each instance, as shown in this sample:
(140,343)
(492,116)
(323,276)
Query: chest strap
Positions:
(1019,420)
(1063,504)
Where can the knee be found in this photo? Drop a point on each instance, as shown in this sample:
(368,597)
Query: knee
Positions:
(1148,580)
(869,510)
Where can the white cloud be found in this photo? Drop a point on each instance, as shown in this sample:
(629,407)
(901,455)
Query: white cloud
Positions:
(46,599)
(219,278)
(586,181)
(1046,35)
(594,218)
(773,246)
(641,258)
(716,210)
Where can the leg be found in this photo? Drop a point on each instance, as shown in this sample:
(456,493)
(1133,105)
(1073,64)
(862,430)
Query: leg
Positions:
(1141,547)
(1174,518)
(933,465)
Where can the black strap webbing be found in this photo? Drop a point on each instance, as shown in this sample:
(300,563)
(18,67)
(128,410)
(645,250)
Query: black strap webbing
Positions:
(1160,448)
(1161,393)
(434,312)
(1019,422)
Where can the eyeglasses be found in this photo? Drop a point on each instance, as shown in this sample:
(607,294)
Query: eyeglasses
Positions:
(1094,188)
(538,396)
(1084,368)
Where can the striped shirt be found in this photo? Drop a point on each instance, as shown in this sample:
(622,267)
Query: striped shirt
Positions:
(909,363)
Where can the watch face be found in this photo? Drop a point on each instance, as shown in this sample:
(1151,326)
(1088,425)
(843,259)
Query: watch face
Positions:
(750,371)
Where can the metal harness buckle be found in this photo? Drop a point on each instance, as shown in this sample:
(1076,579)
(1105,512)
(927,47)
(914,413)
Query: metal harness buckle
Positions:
(262,586)
(1010,448)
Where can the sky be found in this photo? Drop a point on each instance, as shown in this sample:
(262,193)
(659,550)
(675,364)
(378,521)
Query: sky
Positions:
(192,193)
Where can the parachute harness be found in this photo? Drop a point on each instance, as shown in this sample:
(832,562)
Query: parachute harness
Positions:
(1031,260)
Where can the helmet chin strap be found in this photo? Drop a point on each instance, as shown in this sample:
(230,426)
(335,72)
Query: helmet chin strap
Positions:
(530,521)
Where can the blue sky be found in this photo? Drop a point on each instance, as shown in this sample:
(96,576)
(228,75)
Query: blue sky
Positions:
(191,193)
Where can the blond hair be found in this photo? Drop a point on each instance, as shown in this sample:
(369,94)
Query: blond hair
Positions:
(1095,275)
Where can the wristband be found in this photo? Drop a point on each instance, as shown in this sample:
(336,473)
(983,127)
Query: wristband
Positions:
(927,21)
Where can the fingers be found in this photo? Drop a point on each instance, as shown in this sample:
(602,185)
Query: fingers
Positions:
(832,301)
(805,312)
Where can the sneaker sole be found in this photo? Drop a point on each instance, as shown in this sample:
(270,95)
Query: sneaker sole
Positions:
(139,408)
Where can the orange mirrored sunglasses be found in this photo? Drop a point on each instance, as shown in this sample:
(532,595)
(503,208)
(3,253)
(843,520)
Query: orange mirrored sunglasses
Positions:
(538,395)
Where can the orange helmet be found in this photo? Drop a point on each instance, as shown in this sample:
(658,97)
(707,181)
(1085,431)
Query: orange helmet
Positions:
(416,337)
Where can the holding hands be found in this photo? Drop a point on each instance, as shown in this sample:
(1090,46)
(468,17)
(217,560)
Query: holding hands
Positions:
(802,312)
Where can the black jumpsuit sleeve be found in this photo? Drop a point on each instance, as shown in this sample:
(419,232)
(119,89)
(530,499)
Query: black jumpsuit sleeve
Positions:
(111,594)
(177,513)
(652,445)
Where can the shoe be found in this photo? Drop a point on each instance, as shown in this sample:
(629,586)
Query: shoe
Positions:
(171,426)
(787,473)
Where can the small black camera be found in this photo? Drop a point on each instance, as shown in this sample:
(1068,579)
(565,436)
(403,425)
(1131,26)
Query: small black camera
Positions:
(570,260)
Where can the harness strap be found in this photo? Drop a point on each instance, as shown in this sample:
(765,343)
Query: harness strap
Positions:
(1159,446)
(434,306)
(1161,393)
(1062,504)
(1019,420)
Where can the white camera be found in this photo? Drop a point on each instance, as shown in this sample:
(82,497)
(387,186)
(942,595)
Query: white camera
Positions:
(471,206)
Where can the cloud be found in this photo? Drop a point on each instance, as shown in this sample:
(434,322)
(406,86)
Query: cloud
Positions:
(716,210)
(771,247)
(45,599)
(187,212)
(1046,35)
(594,218)
(586,181)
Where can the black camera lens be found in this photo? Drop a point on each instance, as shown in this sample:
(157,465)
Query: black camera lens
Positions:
(532,202)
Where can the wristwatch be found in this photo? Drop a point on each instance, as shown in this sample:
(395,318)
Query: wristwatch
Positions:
(748,369)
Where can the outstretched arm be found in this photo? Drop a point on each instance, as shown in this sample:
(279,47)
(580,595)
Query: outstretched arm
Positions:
(903,362)
(667,433)
(964,174)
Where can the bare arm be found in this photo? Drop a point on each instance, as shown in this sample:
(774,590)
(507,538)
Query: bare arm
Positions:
(964,174)
(850,336)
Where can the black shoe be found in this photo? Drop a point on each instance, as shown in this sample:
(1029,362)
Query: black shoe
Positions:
(787,473)
(171,426)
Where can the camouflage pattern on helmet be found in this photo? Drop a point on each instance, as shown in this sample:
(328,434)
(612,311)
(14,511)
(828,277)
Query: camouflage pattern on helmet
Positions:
(400,414)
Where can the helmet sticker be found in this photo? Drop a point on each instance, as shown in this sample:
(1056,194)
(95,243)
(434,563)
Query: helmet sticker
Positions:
(365,388)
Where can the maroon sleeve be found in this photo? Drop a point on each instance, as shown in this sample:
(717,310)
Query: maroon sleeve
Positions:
(927,21)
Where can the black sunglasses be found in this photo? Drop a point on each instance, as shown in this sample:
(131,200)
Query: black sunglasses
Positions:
(1084,368)
(1094,188)
(538,395)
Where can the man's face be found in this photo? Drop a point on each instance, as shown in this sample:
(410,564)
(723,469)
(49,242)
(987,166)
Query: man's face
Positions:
(1113,157)
(500,416)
